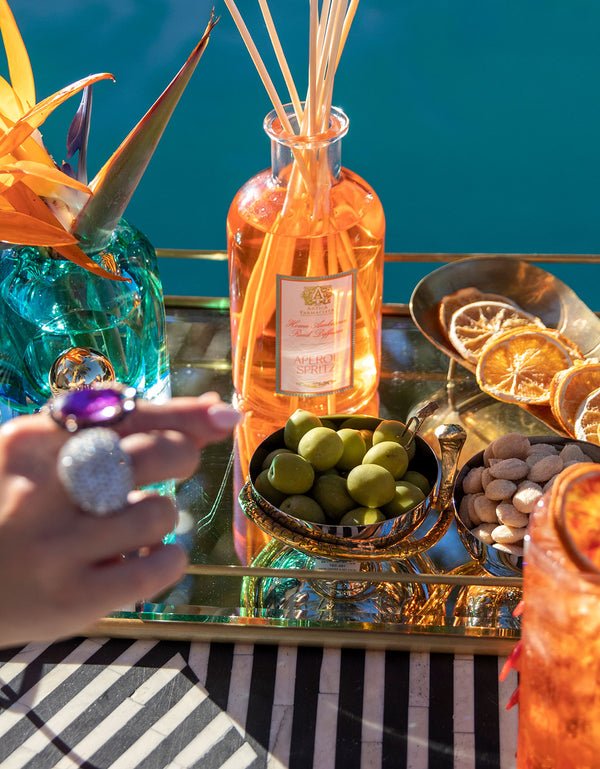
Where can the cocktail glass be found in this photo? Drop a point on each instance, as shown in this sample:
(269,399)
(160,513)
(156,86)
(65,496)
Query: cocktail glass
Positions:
(559,701)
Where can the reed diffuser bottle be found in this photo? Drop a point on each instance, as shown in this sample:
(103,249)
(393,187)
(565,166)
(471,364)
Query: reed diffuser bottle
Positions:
(305,242)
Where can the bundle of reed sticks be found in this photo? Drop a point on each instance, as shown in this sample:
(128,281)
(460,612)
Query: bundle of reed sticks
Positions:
(308,184)
(328,31)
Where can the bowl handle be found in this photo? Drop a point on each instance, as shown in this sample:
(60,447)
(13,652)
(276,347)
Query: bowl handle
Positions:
(451,439)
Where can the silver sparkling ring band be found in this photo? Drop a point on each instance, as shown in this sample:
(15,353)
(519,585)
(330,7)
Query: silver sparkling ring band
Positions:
(95,471)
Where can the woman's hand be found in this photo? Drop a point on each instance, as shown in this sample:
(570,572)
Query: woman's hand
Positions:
(61,569)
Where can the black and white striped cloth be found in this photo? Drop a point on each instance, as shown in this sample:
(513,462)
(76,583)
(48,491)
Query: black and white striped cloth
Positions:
(96,703)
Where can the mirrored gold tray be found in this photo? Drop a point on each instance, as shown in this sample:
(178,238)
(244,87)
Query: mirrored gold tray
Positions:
(240,587)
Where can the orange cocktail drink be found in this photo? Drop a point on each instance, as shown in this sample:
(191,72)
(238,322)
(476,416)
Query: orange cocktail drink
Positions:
(559,707)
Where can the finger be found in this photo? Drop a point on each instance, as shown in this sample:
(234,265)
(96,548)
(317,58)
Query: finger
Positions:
(143,523)
(29,446)
(111,586)
(203,420)
(159,456)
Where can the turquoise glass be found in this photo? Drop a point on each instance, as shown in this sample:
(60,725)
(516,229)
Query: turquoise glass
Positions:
(49,305)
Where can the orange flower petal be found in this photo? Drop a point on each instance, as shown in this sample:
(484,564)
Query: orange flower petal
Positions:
(22,198)
(9,102)
(23,229)
(74,254)
(31,149)
(45,173)
(31,120)
(19,66)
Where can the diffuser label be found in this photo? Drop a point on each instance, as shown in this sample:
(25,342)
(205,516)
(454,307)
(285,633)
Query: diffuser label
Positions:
(316,320)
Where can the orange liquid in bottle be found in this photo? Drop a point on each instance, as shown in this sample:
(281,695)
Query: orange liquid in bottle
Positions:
(338,235)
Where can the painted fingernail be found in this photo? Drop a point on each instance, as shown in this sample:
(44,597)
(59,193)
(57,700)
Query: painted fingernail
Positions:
(224,417)
(210,397)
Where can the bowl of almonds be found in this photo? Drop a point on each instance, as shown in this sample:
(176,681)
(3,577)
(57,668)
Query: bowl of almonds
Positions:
(497,490)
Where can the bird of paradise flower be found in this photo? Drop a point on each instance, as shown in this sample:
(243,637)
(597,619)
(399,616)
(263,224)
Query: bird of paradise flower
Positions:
(42,204)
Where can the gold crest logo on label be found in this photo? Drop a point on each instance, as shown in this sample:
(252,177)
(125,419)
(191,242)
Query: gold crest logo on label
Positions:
(314,295)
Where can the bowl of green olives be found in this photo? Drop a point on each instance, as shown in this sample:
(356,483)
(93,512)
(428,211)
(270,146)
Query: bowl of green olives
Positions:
(346,485)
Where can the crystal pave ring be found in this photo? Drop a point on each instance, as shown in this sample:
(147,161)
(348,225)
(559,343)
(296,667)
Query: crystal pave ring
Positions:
(95,471)
(100,405)
(92,467)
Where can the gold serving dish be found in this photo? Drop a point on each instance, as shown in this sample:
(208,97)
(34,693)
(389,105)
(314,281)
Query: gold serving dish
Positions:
(533,289)
(389,539)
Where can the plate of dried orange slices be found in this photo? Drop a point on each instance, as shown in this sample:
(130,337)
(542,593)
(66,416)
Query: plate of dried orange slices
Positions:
(526,336)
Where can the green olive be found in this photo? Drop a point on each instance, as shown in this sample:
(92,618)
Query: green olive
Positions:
(371,485)
(390,455)
(393,430)
(322,447)
(299,423)
(362,516)
(301,506)
(354,448)
(417,479)
(291,474)
(264,487)
(271,456)
(361,422)
(331,493)
(388,430)
(406,498)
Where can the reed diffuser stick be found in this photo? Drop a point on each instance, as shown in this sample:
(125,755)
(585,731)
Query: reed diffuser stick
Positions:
(325,53)
(312,65)
(332,58)
(266,79)
(325,9)
(285,70)
(259,64)
(347,24)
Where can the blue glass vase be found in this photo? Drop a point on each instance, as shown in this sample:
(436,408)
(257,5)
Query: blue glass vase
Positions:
(50,307)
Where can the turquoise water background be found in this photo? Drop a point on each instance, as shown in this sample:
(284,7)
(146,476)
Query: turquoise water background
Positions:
(476,121)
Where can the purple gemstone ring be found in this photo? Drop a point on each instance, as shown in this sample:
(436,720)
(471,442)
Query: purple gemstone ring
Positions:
(98,406)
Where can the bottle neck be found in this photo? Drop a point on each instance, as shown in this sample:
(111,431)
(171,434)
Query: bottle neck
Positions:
(317,157)
(324,159)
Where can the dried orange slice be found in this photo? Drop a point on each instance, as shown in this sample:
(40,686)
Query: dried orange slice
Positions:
(573,349)
(517,366)
(453,302)
(473,324)
(575,505)
(570,388)
(587,419)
